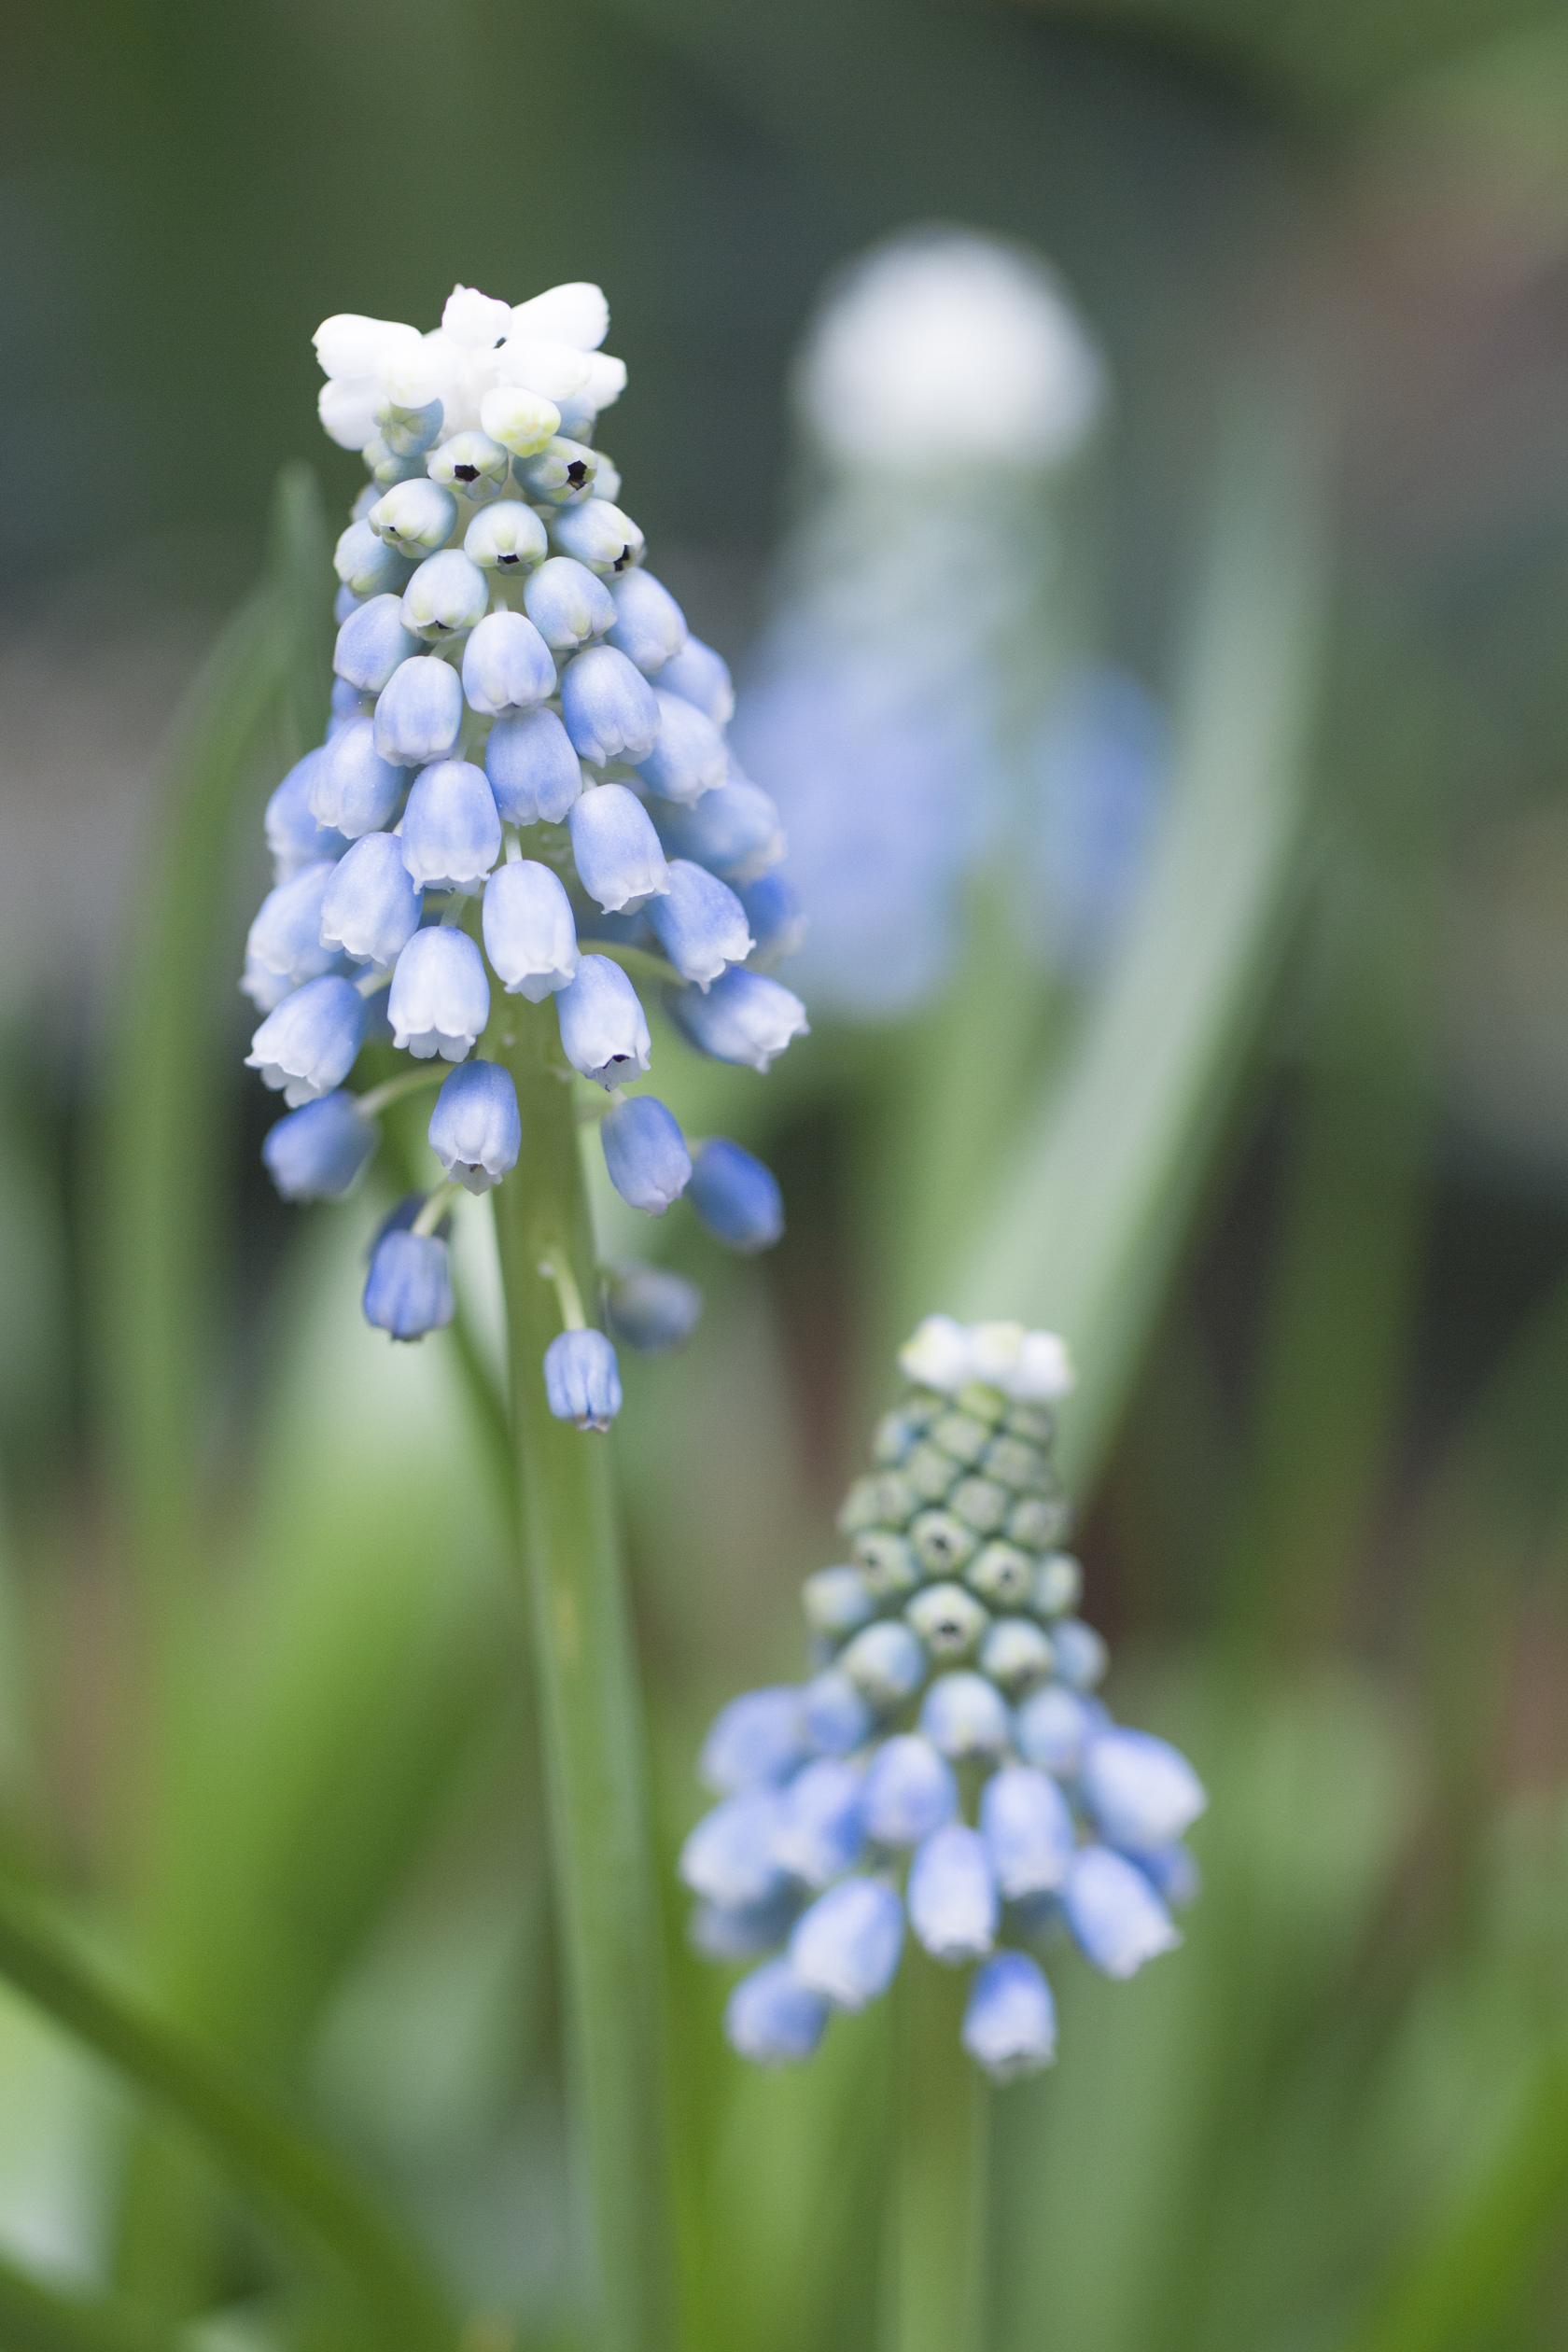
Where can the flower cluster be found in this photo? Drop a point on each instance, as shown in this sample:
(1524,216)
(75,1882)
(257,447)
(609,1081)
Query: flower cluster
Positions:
(950,1739)
(525,782)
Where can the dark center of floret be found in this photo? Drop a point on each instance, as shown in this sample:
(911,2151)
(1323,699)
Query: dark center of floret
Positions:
(577,473)
(466,474)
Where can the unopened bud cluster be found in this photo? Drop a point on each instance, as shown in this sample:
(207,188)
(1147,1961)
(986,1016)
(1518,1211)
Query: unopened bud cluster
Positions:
(524,777)
(948,1765)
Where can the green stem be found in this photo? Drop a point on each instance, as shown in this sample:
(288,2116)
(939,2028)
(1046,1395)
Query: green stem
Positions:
(595,1757)
(939,2167)
(302,2180)
(36,2318)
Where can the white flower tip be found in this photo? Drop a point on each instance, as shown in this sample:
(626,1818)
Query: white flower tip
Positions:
(1032,1368)
(475,321)
(576,313)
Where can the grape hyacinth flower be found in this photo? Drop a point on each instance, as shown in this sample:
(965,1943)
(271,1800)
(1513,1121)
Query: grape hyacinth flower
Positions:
(524,807)
(946,1769)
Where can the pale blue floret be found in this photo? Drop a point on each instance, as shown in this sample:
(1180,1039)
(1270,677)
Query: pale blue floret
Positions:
(1028,1827)
(650,1309)
(1009,2020)
(837,1718)
(910,1791)
(419,716)
(476,1131)
(295,835)
(737,1197)
(964,1715)
(582,1379)
(847,1945)
(346,700)
(310,1044)
(699,923)
(615,848)
(1172,1873)
(471,464)
(415,517)
(562,474)
(744,1017)
(604,1030)
(533,770)
(773,2019)
(609,707)
(344,603)
(702,676)
(507,666)
(408,1289)
(734,831)
(649,626)
(645,1154)
(440,998)
(1117,1918)
(728,1857)
(370,908)
(688,758)
(367,566)
(596,534)
(567,604)
(1142,1791)
(447,594)
(355,789)
(452,828)
(315,1153)
(389,465)
(775,918)
(952,1895)
(819,1833)
(1081,1656)
(837,1602)
(759,1738)
(282,948)
(886,1663)
(505,536)
(530,935)
(409,431)
(1053,1726)
(371,643)
(739,1932)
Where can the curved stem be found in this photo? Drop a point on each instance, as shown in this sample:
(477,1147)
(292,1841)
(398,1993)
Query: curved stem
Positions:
(595,1760)
(301,2180)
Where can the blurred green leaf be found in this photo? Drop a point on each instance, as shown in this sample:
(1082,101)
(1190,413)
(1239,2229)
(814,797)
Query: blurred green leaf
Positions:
(36,2318)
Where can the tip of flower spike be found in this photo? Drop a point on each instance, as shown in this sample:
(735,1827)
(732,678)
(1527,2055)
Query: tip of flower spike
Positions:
(1032,1368)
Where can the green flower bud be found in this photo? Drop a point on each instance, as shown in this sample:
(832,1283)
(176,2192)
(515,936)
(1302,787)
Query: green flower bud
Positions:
(983,1402)
(943,1546)
(1021,1466)
(389,465)
(837,1602)
(889,1561)
(415,517)
(896,1433)
(861,1506)
(408,431)
(1004,1575)
(1037,1521)
(981,1504)
(1033,1422)
(471,464)
(522,421)
(948,1620)
(963,1437)
(562,474)
(1016,1654)
(1057,1584)
(885,1662)
(930,1471)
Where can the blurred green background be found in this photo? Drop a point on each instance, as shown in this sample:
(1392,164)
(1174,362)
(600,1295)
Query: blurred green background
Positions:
(265,1717)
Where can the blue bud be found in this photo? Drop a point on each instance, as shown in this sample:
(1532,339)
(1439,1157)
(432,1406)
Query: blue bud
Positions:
(355,790)
(582,1379)
(759,1738)
(837,1602)
(345,703)
(1142,1791)
(389,465)
(688,758)
(1027,1824)
(886,1663)
(530,935)
(440,999)
(597,535)
(734,831)
(952,1895)
(649,626)
(737,1197)
(471,464)
(615,848)
(446,595)
(837,1718)
(294,834)
(408,1289)
(1054,1726)
(772,2019)
(316,1151)
(476,1131)
(533,770)
(310,1044)
(702,676)
(344,603)
(728,1857)
(608,706)
(371,643)
(1009,2020)
(603,1033)
(409,431)
(505,536)
(1117,1918)
(1172,1873)
(507,666)
(415,518)
(727,1932)
(419,716)
(773,915)
(744,1017)
(367,566)
(910,1790)
(699,923)
(1081,1656)
(645,1154)
(562,474)
(847,1945)
(567,604)
(650,1309)
(283,943)
(819,1833)
(452,832)
(964,1715)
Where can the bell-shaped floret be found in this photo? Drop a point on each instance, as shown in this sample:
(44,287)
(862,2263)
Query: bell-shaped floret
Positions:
(610,708)
(819,1833)
(440,999)
(371,908)
(315,1153)
(773,2019)
(964,1715)
(371,643)
(847,1945)
(284,946)
(415,517)
(1010,2020)
(367,566)
(737,1197)
(446,595)
(475,321)
(566,604)
(471,464)
(452,830)
(596,534)
(295,835)
(530,935)
(615,848)
(1117,1918)
(702,676)
(645,1154)
(729,1932)
(582,1379)
(775,918)
(1027,1824)
(522,420)
(744,1017)
(910,1791)
(688,758)
(309,1044)
(505,536)
(389,465)
(650,1309)
(476,1131)
(1082,1658)
(734,831)
(838,1719)
(507,666)
(1142,1791)
(349,344)
(699,923)
(419,716)
(649,626)
(538,364)
(533,770)
(757,1739)
(562,474)
(604,1030)
(408,1289)
(355,790)
(728,1857)
(886,1663)
(409,432)
(952,1895)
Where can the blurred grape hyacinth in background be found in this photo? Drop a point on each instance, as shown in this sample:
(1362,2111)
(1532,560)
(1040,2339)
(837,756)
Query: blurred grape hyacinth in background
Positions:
(949,1736)
(526,782)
